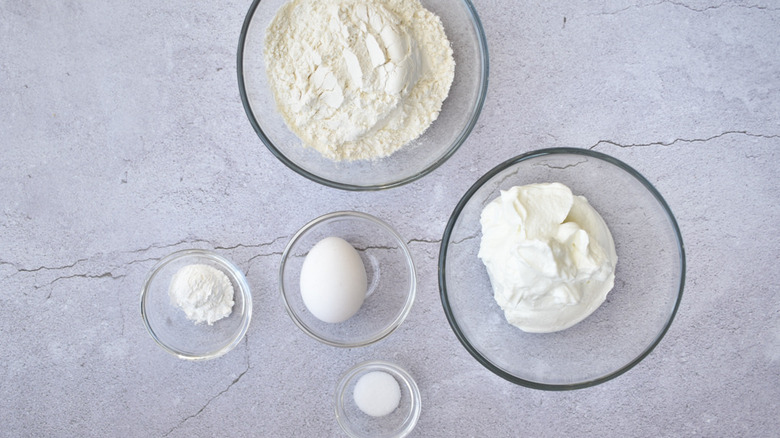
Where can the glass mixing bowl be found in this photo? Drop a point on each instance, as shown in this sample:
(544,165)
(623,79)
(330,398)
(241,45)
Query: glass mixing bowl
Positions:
(458,115)
(390,272)
(358,424)
(169,326)
(649,275)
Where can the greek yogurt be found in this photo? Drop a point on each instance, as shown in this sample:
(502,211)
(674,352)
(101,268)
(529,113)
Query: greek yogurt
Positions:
(549,255)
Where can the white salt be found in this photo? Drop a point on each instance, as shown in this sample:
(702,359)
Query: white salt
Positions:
(377,393)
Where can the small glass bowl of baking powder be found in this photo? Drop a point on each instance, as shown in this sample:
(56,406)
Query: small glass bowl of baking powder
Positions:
(169,325)
(358,424)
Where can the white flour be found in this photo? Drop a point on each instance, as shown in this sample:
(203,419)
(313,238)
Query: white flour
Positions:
(358,79)
(204,293)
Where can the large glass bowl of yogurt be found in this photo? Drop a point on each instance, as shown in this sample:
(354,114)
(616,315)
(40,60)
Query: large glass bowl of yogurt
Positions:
(637,311)
(421,155)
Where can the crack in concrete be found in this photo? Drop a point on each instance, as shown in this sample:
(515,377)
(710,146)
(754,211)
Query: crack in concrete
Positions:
(216,247)
(13,271)
(683,5)
(708,8)
(252,245)
(550,166)
(473,236)
(258,245)
(103,275)
(682,140)
(132,262)
(261,245)
(49,268)
(357,248)
(371,247)
(432,241)
(503,179)
(164,246)
(208,402)
(219,394)
(136,261)
(267,254)
(378,247)
(87,276)
(81,260)
(618,11)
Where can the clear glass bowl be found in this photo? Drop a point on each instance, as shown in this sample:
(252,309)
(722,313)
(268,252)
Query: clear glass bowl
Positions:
(168,325)
(649,276)
(397,424)
(390,272)
(457,118)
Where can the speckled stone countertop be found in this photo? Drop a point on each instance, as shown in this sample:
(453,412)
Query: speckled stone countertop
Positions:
(123,139)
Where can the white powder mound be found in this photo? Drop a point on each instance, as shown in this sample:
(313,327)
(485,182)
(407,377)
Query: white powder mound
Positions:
(203,292)
(377,393)
(358,79)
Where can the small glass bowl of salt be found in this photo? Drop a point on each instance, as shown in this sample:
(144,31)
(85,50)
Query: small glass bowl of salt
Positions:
(196,304)
(377,399)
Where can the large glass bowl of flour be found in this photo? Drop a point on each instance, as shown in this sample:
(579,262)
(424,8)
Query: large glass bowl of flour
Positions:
(623,330)
(459,111)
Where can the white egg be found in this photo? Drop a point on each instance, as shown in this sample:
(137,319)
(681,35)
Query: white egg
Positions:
(333,280)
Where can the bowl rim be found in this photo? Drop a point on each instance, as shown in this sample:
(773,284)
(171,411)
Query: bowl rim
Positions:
(412,291)
(243,289)
(379,365)
(459,208)
(465,132)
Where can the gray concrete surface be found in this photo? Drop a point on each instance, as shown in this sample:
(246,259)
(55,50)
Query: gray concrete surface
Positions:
(122,138)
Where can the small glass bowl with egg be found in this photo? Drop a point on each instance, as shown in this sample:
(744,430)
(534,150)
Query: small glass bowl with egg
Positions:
(347,279)
(173,328)
(377,399)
